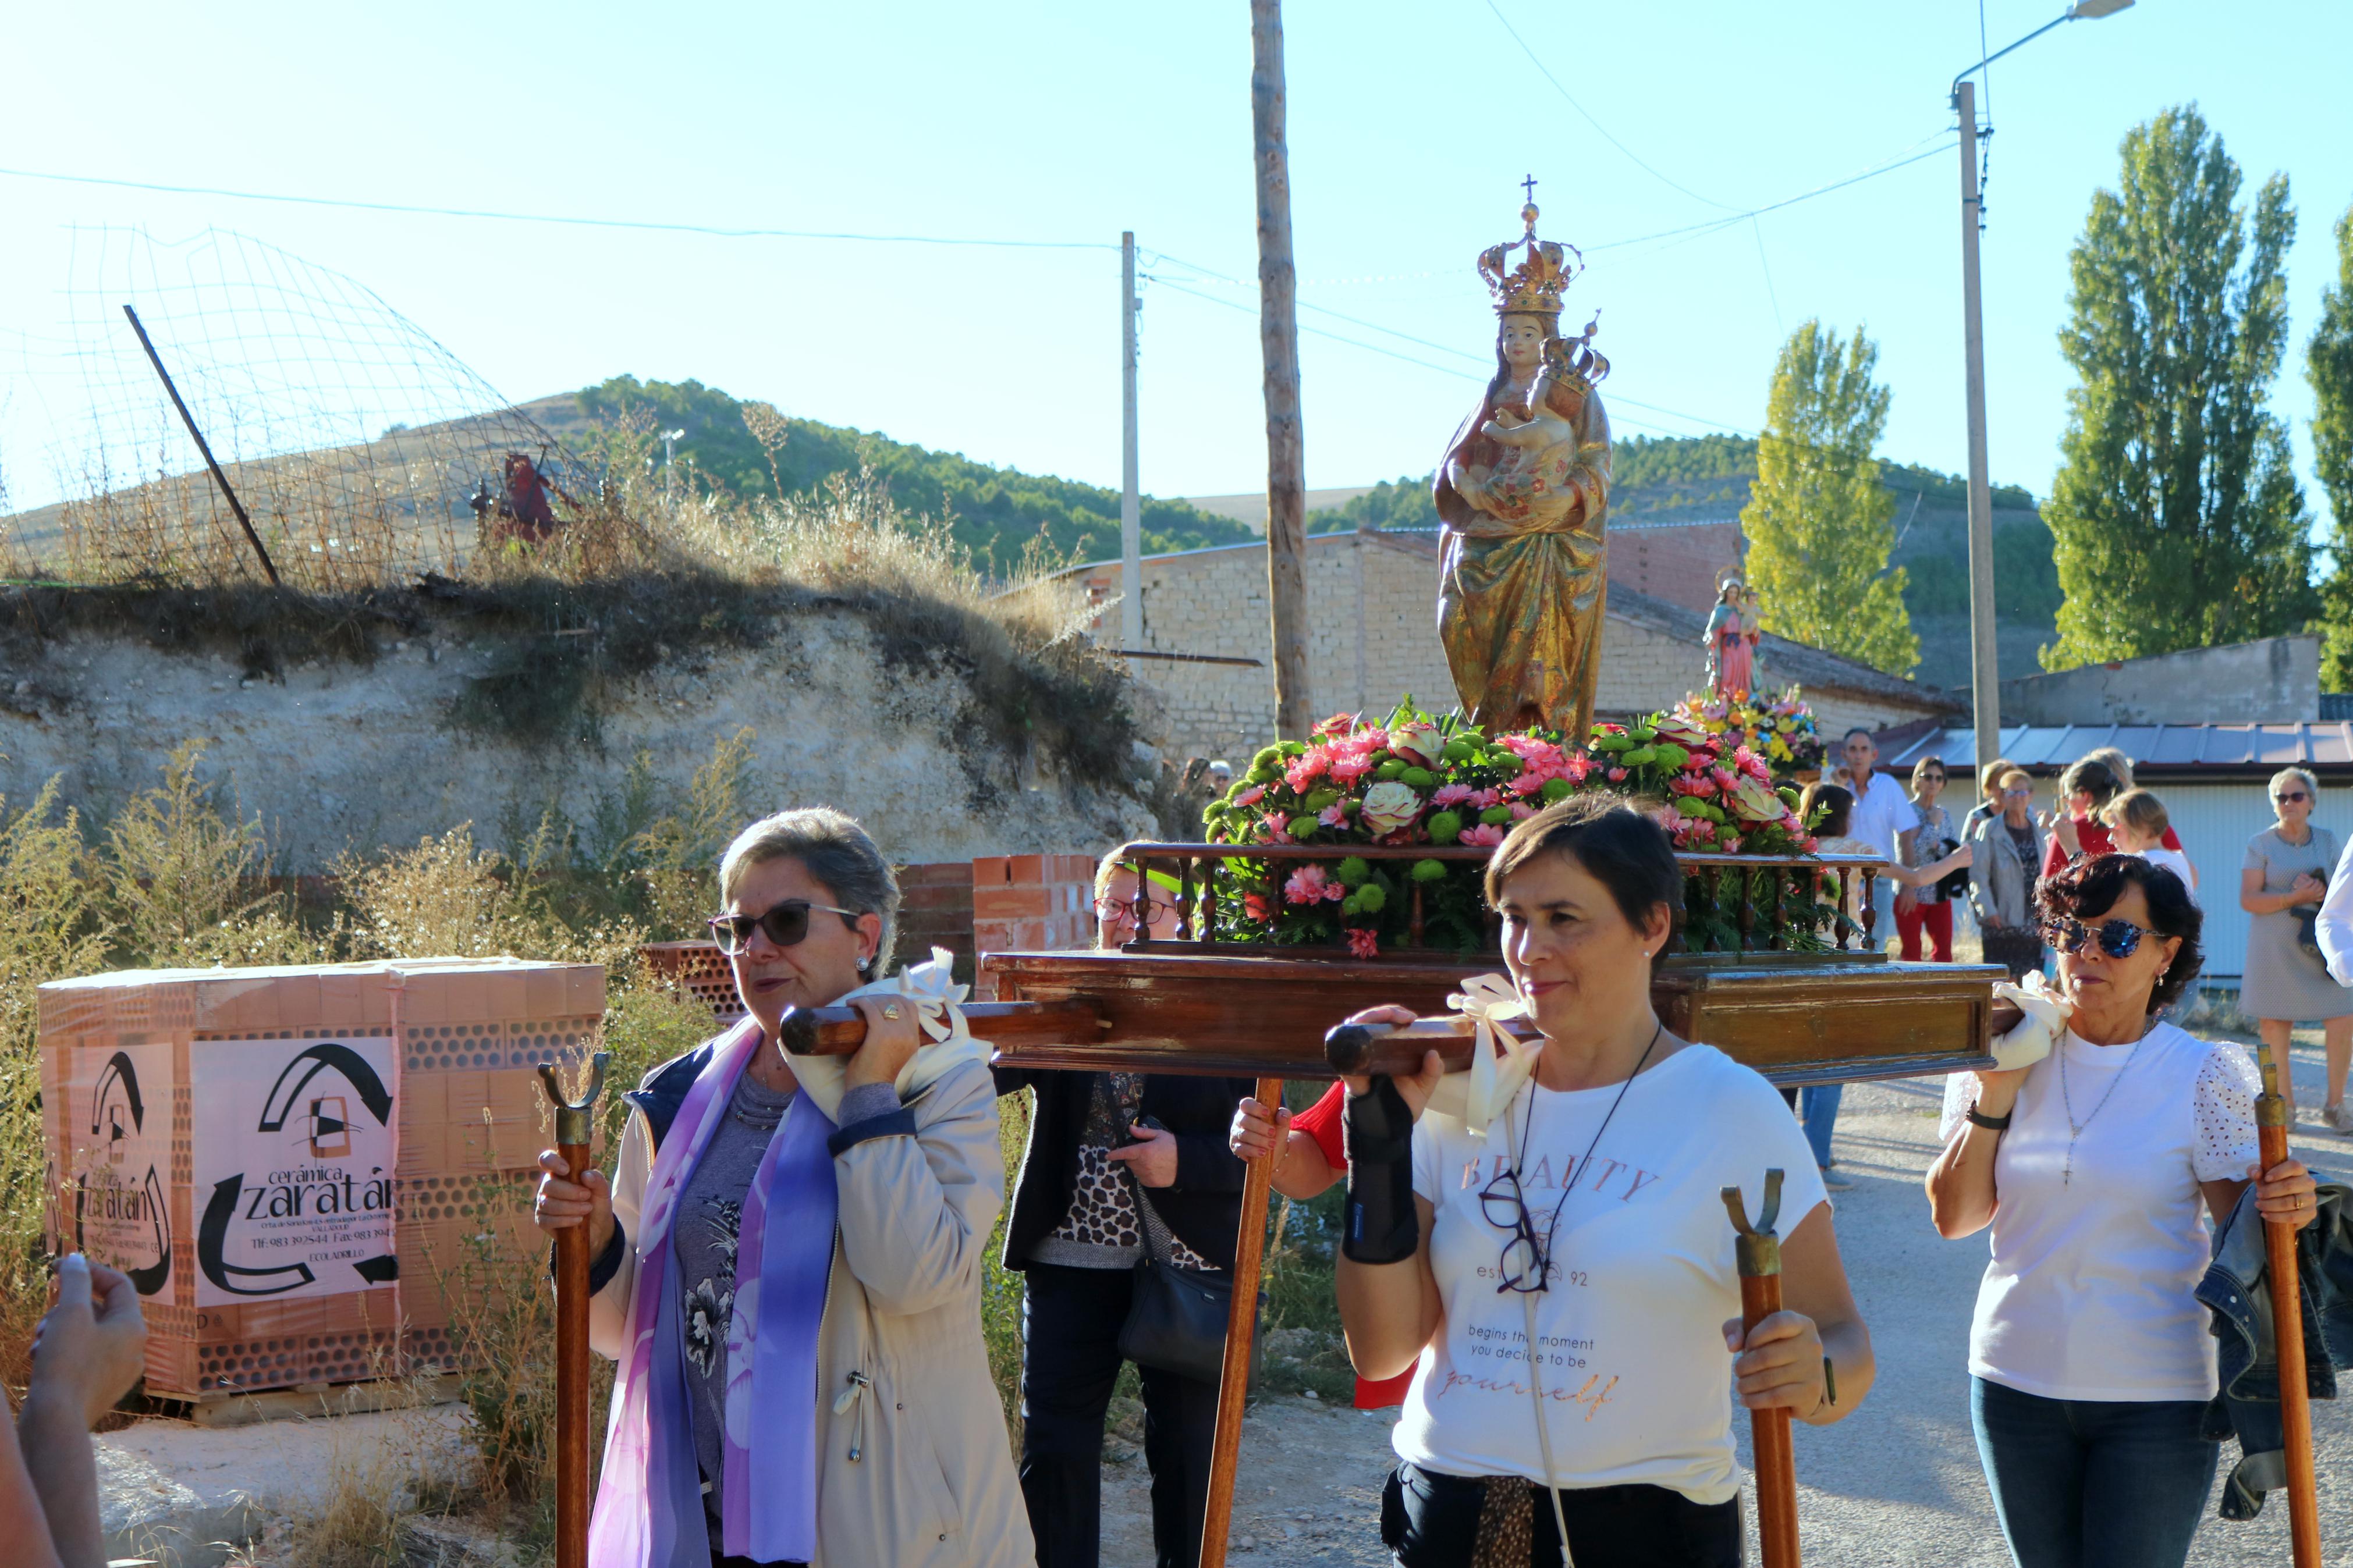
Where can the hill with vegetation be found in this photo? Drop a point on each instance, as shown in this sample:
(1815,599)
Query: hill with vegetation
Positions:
(996,513)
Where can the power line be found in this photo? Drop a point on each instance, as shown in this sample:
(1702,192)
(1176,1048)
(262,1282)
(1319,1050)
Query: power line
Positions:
(1598,126)
(569,221)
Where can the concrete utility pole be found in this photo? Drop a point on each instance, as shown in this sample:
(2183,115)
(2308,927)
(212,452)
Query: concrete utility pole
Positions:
(1278,331)
(1130,506)
(1985,672)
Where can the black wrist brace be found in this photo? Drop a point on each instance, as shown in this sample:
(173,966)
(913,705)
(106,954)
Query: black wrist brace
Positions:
(1381,1224)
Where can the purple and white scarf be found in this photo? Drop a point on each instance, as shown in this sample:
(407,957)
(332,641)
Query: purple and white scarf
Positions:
(649,1510)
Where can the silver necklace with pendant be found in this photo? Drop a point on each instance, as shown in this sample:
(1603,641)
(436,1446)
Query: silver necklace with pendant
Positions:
(2075,1128)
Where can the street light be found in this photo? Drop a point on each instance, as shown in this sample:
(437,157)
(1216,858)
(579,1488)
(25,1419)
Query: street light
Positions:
(1984,671)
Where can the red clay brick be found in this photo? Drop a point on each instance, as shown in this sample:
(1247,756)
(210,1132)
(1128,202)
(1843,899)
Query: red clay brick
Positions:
(1011,903)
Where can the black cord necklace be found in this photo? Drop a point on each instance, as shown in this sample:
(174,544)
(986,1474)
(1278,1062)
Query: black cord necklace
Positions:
(1527,1129)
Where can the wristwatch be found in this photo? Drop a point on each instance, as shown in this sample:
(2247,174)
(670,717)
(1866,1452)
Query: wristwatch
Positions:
(1990,1123)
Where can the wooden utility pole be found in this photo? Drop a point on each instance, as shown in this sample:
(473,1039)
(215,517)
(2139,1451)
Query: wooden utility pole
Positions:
(1278,332)
(1131,514)
(1985,658)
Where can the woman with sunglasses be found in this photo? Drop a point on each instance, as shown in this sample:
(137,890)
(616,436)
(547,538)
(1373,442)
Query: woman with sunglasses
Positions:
(2008,846)
(2282,883)
(1584,1219)
(1927,910)
(2097,1167)
(788,1265)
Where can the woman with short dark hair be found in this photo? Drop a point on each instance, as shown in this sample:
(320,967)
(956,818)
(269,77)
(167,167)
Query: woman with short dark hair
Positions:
(1577,1208)
(788,1262)
(2073,824)
(2097,1165)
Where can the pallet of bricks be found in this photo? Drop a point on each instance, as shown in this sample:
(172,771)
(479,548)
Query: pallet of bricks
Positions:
(310,1174)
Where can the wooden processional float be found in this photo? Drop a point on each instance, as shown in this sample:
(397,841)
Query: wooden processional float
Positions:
(1215,1006)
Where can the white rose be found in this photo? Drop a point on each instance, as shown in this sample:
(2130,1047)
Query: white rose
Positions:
(1422,740)
(1389,805)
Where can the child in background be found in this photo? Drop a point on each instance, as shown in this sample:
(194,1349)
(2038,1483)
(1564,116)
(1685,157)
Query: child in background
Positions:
(2138,822)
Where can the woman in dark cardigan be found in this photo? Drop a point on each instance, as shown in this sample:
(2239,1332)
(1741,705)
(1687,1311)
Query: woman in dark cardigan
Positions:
(1076,1233)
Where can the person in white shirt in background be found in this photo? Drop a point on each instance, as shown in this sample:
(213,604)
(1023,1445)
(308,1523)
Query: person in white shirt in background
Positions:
(2090,1362)
(2136,822)
(1883,819)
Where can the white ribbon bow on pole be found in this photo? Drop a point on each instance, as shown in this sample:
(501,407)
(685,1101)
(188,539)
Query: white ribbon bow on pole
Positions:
(947,1039)
(1500,1061)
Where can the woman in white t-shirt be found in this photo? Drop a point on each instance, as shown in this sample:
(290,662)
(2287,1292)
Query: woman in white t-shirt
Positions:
(2097,1165)
(1586,1217)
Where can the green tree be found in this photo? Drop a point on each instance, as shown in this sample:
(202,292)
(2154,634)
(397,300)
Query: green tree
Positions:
(2328,362)
(2177,519)
(1820,522)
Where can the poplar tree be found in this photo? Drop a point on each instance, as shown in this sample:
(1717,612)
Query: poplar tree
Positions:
(2328,363)
(1820,524)
(2175,514)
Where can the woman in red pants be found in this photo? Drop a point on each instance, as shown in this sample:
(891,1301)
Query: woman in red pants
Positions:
(1927,909)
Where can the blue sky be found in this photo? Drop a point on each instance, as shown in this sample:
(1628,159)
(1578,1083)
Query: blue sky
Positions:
(1411,127)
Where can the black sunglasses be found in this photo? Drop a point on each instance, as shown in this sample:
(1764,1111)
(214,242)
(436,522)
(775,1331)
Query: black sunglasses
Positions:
(2118,938)
(786,924)
(2293,795)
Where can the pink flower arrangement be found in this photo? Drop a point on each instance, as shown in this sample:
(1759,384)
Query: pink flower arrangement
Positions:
(1412,780)
(1310,885)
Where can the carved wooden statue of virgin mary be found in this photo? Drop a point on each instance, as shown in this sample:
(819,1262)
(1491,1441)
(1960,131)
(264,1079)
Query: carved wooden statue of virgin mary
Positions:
(1523,491)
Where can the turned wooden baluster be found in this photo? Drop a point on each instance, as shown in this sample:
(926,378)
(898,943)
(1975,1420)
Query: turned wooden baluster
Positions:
(1185,897)
(1209,900)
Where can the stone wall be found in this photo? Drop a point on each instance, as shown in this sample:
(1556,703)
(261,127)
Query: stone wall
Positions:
(1680,561)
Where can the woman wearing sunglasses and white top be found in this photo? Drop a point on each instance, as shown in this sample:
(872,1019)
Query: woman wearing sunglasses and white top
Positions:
(788,1265)
(2096,1165)
(1586,1217)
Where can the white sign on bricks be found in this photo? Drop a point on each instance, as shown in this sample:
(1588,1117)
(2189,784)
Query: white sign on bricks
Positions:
(120,1103)
(295,1143)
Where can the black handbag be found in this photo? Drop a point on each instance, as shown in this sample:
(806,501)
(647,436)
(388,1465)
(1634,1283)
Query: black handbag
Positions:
(1176,1319)
(1954,884)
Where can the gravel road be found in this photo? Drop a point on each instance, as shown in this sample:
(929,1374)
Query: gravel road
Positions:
(1896,1484)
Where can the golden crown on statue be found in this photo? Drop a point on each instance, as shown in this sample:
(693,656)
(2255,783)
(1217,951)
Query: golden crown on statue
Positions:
(1536,284)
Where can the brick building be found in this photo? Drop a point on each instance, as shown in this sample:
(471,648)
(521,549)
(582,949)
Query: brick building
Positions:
(1679,560)
(1373,636)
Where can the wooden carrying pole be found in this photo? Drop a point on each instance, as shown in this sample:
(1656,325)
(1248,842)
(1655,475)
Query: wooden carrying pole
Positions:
(1278,332)
(575,1119)
(2287,1329)
(1241,1326)
(1757,1251)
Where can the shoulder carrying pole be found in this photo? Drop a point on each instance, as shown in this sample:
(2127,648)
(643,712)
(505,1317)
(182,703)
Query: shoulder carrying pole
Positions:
(575,1119)
(2287,1329)
(1241,1324)
(1757,1252)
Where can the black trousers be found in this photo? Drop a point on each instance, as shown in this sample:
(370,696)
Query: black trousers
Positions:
(1070,1319)
(1432,1520)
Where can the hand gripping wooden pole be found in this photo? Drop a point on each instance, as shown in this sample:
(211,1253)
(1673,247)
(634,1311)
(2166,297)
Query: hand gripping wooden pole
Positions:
(575,1119)
(1241,1324)
(2287,1329)
(1757,1252)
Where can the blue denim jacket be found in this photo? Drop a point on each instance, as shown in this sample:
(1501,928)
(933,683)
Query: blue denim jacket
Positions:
(2236,1292)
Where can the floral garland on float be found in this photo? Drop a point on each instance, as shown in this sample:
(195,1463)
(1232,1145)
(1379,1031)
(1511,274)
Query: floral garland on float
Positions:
(1780,729)
(1412,779)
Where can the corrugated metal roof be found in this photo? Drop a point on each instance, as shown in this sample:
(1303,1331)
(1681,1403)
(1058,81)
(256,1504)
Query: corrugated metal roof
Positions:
(2325,747)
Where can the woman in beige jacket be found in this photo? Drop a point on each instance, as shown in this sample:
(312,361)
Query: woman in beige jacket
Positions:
(811,1225)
